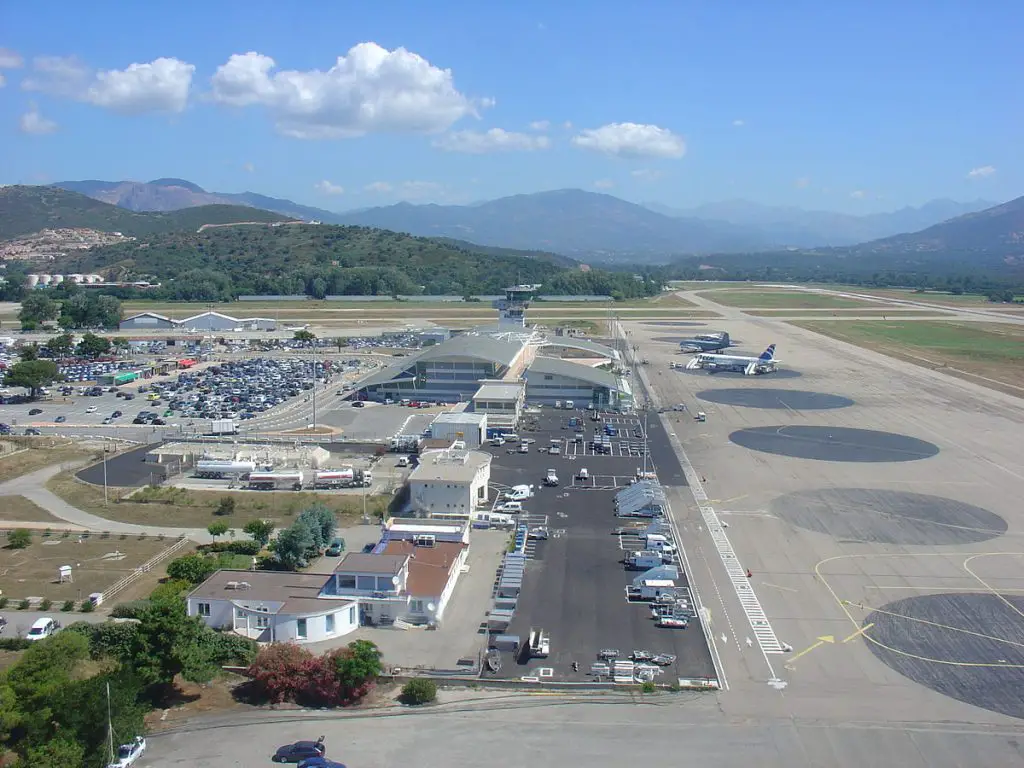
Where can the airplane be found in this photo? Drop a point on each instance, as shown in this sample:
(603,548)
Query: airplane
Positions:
(705,342)
(750,366)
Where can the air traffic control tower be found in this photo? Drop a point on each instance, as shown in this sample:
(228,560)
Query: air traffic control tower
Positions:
(512,308)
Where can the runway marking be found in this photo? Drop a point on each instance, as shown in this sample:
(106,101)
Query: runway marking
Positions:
(843,603)
(778,586)
(858,633)
(937,588)
(817,644)
(987,586)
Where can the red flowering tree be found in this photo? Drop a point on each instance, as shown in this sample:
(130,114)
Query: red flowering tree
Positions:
(279,671)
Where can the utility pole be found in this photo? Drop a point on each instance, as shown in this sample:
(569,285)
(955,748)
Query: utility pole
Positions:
(104,473)
(314,384)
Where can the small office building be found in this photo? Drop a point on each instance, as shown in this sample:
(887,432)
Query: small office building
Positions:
(470,428)
(450,482)
(551,379)
(501,401)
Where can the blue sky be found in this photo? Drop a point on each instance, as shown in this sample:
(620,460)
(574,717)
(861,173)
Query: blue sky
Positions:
(849,106)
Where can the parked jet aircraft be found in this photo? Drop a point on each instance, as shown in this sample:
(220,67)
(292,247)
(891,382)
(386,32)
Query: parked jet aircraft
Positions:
(705,342)
(763,363)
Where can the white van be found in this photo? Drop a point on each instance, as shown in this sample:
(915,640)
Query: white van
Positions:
(403,461)
(494,519)
(519,493)
(498,441)
(509,508)
(569,405)
(42,629)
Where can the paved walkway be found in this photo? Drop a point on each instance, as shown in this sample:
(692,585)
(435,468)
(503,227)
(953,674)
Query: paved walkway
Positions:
(33,487)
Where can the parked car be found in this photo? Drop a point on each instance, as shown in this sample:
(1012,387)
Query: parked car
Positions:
(300,750)
(129,754)
(336,548)
(61,419)
(358,404)
(91,409)
(35,411)
(42,629)
(116,415)
(32,431)
(320,762)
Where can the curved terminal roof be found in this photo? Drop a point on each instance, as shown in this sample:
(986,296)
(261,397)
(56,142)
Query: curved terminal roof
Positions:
(597,377)
(569,342)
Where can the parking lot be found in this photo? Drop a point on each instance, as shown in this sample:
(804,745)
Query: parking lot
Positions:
(575,582)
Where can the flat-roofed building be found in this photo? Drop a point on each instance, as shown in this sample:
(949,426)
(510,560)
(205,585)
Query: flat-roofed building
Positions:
(501,401)
(449,482)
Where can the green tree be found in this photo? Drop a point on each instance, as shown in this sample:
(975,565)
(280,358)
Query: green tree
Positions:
(191,568)
(32,374)
(61,346)
(10,715)
(19,538)
(304,335)
(93,346)
(168,643)
(294,545)
(38,307)
(217,529)
(321,522)
(56,753)
(225,507)
(260,530)
(359,666)
(28,352)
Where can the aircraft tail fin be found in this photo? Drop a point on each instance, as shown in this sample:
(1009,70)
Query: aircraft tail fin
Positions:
(769,353)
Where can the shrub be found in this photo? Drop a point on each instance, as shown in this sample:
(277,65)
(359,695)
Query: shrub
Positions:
(3,602)
(68,605)
(45,604)
(191,568)
(24,604)
(277,672)
(113,640)
(19,538)
(169,590)
(88,606)
(223,648)
(225,507)
(419,691)
(235,547)
(130,609)
(14,643)
(648,687)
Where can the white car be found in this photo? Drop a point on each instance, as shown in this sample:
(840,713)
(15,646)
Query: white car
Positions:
(42,629)
(91,409)
(128,754)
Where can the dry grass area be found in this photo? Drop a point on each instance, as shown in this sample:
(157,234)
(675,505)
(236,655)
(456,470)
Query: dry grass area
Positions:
(986,353)
(20,509)
(41,452)
(97,561)
(186,508)
(851,313)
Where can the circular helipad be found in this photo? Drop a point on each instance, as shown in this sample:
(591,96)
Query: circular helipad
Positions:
(888,517)
(780,373)
(834,443)
(965,645)
(783,399)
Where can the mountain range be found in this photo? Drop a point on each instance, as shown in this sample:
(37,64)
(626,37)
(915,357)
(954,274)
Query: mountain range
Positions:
(582,225)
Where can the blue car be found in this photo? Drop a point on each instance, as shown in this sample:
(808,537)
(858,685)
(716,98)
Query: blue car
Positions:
(319,762)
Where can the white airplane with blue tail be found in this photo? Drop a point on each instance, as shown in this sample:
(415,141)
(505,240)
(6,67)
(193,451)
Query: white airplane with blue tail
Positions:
(750,366)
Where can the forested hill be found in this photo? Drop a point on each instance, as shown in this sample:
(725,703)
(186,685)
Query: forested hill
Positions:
(24,210)
(318,259)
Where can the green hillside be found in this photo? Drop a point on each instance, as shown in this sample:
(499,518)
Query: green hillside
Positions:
(24,210)
(319,259)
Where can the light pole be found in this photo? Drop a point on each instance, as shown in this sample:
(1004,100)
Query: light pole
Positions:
(314,385)
(104,473)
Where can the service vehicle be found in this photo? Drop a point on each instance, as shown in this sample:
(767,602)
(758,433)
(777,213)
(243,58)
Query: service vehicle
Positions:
(551,478)
(128,754)
(42,629)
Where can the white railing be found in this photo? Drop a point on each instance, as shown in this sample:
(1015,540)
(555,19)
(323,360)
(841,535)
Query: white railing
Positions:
(143,569)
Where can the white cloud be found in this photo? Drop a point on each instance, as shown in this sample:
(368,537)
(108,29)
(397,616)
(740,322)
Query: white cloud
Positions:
(407,190)
(370,89)
(540,125)
(328,188)
(10,59)
(32,122)
(739,123)
(858,194)
(803,182)
(646,174)
(631,140)
(567,125)
(161,85)
(378,188)
(248,167)
(494,140)
(981,172)
(3,80)
(604,183)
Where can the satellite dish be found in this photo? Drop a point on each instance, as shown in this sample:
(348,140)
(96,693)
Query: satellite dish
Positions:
(395,580)
(431,607)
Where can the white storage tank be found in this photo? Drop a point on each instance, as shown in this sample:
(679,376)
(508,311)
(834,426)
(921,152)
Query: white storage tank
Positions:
(94,278)
(56,279)
(221,467)
(33,280)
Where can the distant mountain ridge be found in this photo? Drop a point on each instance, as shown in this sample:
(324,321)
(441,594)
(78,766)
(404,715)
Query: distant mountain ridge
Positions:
(800,228)
(171,194)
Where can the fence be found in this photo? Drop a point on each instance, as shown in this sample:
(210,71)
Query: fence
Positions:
(145,568)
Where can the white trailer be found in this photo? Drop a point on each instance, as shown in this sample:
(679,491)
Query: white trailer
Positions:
(221,468)
(346,477)
(642,561)
(276,481)
(223,427)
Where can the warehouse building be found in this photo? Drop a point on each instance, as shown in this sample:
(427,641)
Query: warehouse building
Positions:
(551,380)
(449,483)
(470,428)
(146,321)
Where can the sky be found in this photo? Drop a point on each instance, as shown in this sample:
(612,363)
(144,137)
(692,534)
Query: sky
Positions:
(849,106)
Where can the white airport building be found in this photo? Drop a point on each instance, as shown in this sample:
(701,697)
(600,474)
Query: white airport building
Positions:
(204,321)
(449,482)
(408,578)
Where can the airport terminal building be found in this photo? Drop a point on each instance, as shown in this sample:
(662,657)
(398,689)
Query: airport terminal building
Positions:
(509,359)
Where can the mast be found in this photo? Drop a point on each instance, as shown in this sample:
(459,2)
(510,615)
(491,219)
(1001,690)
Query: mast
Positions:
(110,725)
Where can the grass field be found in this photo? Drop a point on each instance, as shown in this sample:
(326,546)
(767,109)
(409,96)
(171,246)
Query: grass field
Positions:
(992,354)
(846,313)
(97,562)
(179,507)
(768,299)
(43,452)
(20,509)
